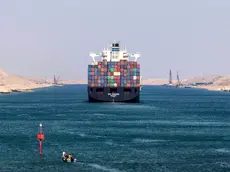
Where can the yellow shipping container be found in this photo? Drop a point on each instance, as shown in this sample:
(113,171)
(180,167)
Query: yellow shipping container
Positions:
(117,74)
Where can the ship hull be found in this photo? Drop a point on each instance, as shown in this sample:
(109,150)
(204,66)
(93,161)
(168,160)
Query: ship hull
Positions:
(111,94)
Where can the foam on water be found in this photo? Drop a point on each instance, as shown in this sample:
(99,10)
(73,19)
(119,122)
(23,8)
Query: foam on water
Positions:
(136,106)
(103,114)
(81,134)
(103,168)
(140,140)
(179,122)
(223,150)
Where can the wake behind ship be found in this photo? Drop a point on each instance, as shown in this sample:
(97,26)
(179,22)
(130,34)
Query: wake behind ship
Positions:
(115,78)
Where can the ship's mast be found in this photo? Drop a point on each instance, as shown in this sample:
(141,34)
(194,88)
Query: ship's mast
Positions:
(170,77)
(178,79)
(56,80)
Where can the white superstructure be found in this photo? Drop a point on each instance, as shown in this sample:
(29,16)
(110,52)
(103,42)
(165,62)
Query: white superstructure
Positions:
(114,54)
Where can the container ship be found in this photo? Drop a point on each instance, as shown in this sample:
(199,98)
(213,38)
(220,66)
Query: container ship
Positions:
(114,78)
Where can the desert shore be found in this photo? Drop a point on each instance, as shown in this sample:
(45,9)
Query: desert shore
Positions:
(208,82)
(14,83)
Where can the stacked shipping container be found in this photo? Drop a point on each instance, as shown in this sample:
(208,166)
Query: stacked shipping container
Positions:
(114,74)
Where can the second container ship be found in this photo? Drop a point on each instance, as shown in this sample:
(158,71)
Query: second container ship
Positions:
(114,78)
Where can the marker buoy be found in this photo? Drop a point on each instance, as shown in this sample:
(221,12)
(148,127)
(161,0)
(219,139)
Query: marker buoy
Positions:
(40,137)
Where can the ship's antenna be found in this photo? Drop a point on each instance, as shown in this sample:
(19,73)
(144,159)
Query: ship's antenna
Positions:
(170,77)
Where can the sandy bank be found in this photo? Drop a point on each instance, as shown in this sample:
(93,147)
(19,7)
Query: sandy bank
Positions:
(13,83)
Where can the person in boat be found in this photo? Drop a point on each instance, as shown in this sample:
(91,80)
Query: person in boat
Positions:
(64,156)
(70,157)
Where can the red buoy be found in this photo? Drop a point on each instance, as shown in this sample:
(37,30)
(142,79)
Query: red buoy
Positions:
(40,137)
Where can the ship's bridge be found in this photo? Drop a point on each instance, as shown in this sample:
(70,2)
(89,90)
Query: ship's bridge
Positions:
(114,54)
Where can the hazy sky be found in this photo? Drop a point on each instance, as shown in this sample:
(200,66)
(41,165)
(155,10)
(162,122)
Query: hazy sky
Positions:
(46,37)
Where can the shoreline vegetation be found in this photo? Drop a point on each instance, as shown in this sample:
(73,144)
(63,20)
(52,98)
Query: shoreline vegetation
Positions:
(14,83)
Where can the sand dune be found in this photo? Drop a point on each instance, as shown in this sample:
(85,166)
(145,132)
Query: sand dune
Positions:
(15,83)
(200,79)
(218,82)
(10,83)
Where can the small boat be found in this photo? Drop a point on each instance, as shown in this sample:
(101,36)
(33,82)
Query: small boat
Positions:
(65,158)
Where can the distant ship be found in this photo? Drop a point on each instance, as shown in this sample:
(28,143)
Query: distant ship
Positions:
(115,78)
